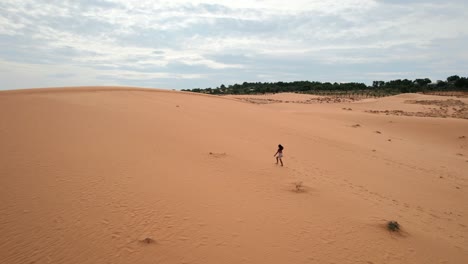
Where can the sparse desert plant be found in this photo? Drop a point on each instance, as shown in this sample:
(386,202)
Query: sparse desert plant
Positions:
(393,226)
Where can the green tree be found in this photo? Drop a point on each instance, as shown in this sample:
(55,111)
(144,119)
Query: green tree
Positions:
(422,82)
(453,78)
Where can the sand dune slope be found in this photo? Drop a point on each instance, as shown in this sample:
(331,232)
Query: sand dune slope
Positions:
(119,175)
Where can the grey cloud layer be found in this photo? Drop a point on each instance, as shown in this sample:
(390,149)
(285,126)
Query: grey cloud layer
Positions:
(182,44)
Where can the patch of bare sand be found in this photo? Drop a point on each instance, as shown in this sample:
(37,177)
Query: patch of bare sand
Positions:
(128,176)
(417,105)
(457,94)
(453,108)
(294,98)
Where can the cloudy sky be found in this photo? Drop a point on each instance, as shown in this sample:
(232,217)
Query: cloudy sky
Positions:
(181,44)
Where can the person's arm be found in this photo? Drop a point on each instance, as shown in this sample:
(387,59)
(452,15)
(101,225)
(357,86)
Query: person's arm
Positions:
(276,153)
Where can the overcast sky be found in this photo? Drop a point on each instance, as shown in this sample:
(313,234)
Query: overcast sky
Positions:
(181,44)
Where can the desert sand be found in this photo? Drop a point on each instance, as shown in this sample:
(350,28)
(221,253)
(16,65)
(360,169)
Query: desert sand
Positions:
(126,175)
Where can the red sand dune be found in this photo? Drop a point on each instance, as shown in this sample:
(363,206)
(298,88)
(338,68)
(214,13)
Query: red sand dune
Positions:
(123,175)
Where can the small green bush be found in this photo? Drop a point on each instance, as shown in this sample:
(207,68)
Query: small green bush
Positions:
(393,226)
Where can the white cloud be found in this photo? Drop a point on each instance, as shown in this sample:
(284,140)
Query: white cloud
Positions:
(8,27)
(228,40)
(28,75)
(278,5)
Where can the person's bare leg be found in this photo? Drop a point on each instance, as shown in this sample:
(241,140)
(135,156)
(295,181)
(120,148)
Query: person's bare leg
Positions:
(281,162)
(276,160)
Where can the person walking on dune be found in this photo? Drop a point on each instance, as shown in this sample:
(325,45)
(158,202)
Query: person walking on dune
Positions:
(279,154)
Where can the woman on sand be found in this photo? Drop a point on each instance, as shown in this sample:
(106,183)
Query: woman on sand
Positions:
(280,154)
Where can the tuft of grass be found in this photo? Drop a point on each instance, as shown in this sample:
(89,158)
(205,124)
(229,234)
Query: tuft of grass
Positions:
(393,226)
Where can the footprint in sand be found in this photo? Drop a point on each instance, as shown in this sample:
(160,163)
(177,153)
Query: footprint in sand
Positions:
(147,240)
(299,187)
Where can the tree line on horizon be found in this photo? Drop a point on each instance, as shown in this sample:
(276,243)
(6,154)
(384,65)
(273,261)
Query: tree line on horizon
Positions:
(453,83)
